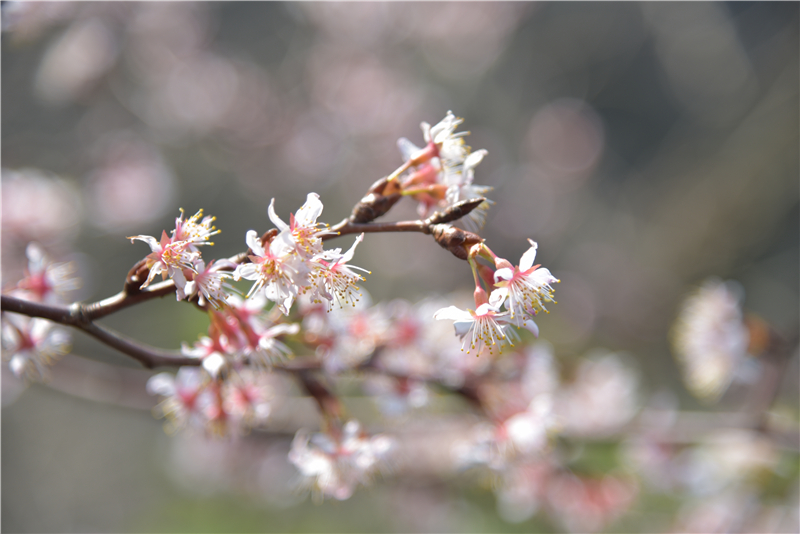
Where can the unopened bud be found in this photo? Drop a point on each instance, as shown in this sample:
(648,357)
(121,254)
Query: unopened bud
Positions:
(381,197)
(456,211)
(456,240)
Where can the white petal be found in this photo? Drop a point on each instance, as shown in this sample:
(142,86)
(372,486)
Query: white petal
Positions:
(281,329)
(155,245)
(407,148)
(349,254)
(474,159)
(498,296)
(462,327)
(531,326)
(503,274)
(307,215)
(161,384)
(453,313)
(279,224)
(526,262)
(252,240)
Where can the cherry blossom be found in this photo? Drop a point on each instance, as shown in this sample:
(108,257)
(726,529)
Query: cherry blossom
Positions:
(275,269)
(525,288)
(44,280)
(31,345)
(333,466)
(168,258)
(334,280)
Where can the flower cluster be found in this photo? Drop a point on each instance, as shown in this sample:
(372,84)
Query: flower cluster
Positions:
(521,289)
(178,257)
(196,399)
(441,173)
(31,345)
(241,334)
(293,262)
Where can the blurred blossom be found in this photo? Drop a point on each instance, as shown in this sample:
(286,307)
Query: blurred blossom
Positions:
(31,345)
(725,458)
(601,398)
(44,280)
(38,206)
(131,186)
(709,338)
(332,466)
(75,61)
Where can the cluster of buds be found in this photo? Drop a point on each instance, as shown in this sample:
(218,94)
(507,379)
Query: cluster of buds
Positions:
(32,344)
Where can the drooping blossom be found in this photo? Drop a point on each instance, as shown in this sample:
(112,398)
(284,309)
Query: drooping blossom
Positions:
(44,280)
(710,339)
(524,289)
(523,434)
(485,327)
(31,345)
(248,397)
(332,466)
(602,397)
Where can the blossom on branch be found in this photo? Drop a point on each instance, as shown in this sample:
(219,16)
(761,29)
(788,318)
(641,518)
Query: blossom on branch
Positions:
(168,258)
(44,280)
(525,288)
(332,466)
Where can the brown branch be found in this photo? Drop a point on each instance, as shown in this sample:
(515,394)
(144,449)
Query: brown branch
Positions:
(75,317)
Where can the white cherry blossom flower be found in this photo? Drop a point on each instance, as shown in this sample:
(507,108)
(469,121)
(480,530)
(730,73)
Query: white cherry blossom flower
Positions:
(194,230)
(460,188)
(524,288)
(334,280)
(184,397)
(273,269)
(208,284)
(168,258)
(303,227)
(487,325)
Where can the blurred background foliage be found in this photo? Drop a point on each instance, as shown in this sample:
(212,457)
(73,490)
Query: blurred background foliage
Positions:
(645,146)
